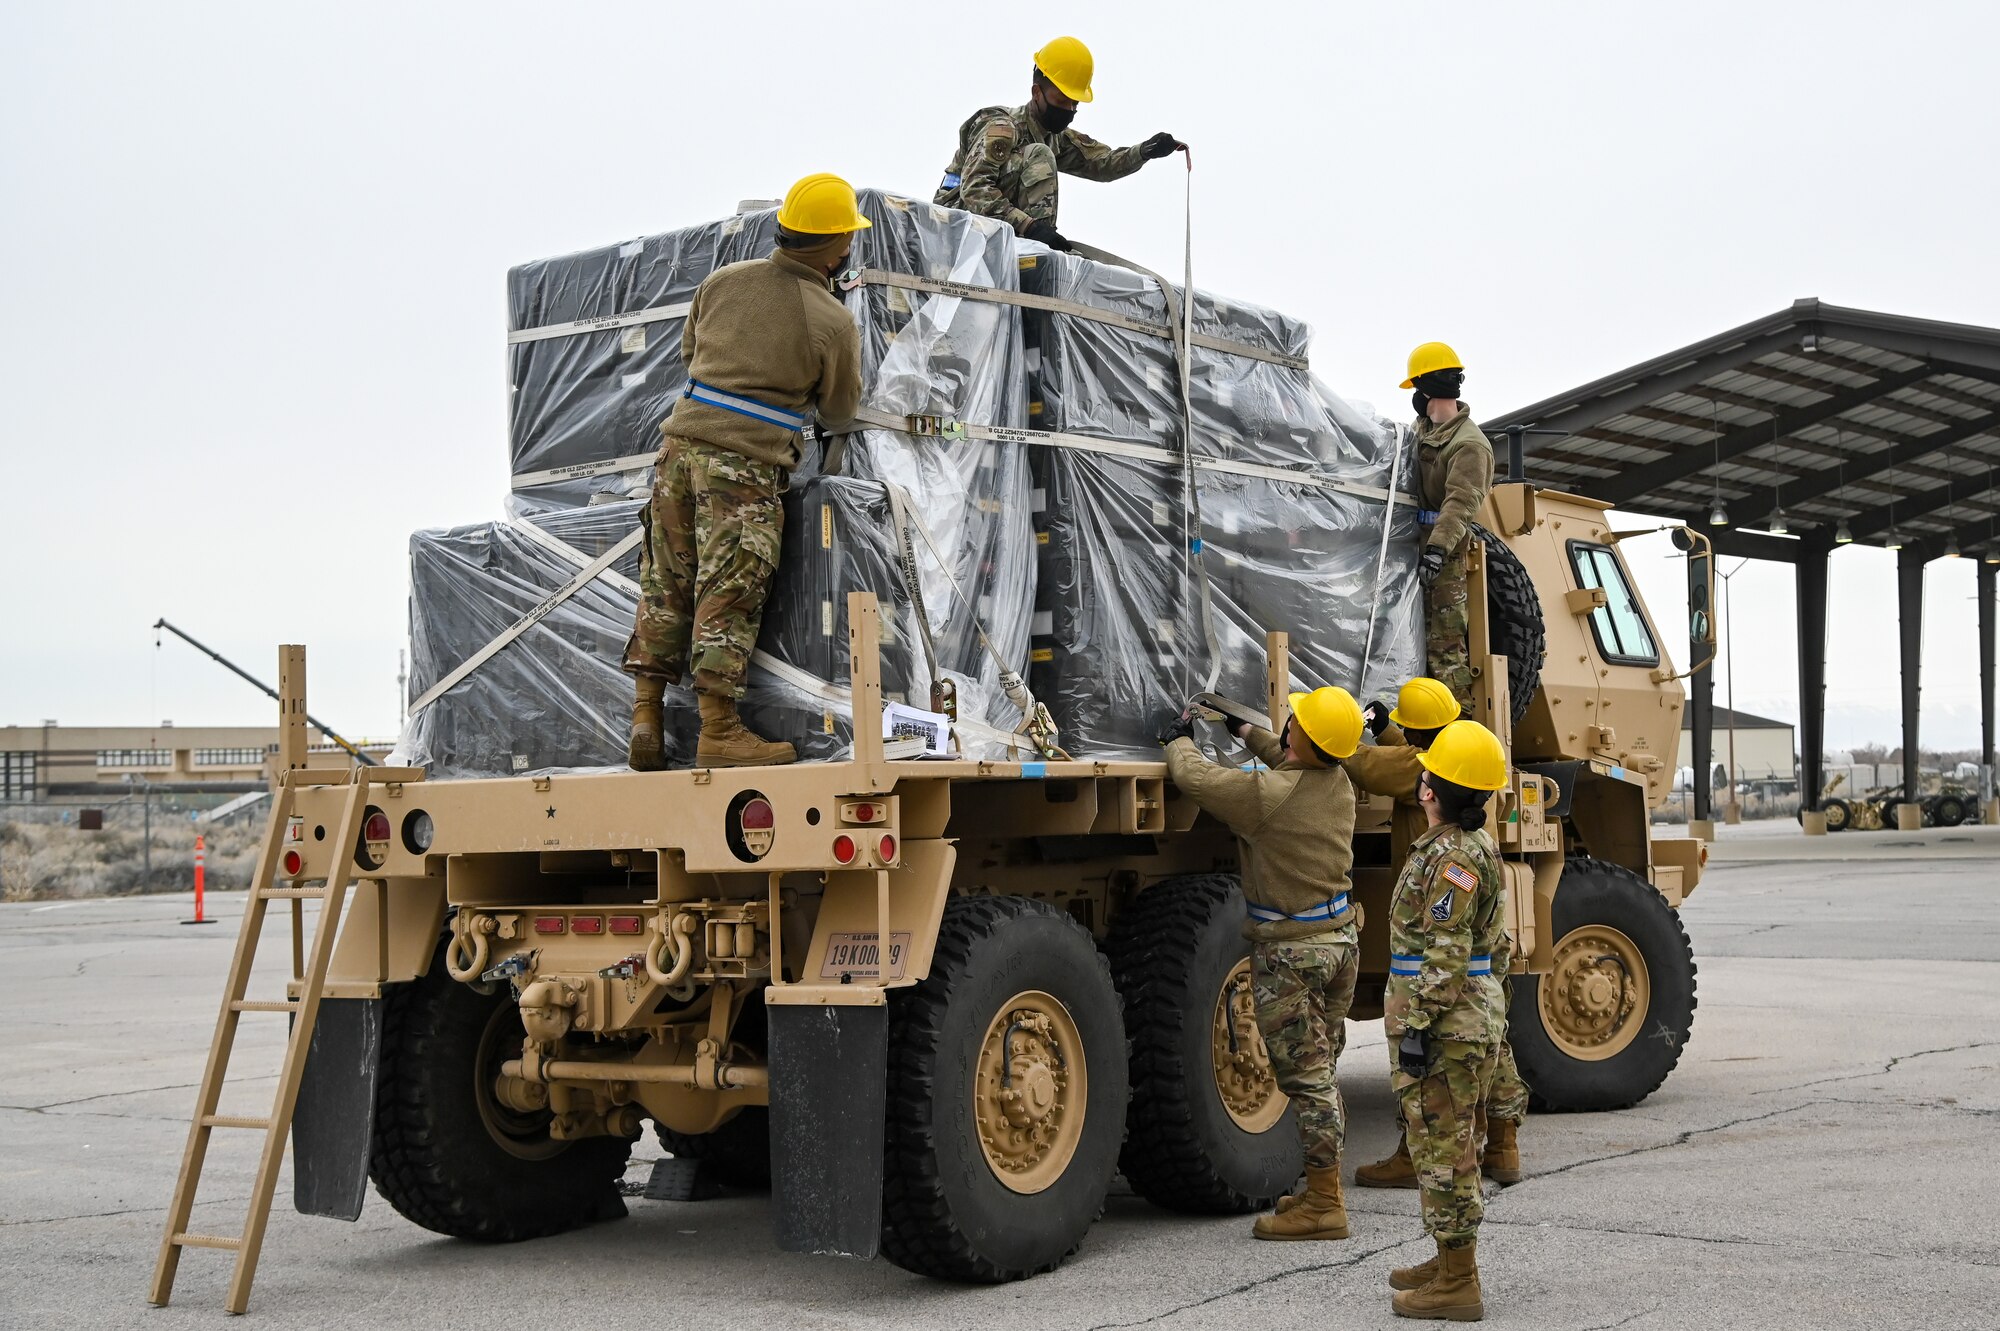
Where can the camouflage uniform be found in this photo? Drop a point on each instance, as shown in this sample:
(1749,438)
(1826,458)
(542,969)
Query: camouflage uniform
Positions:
(1303,990)
(713,530)
(1445,922)
(1507,1097)
(1455,472)
(1006,165)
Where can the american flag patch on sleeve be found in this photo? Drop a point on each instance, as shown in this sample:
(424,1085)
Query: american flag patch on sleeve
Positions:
(1461,877)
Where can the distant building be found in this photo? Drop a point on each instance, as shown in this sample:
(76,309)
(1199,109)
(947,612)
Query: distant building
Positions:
(1764,747)
(55,761)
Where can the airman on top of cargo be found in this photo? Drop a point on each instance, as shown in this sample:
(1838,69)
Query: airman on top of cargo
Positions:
(766,341)
(1443,1011)
(1007,158)
(1294,824)
(1455,472)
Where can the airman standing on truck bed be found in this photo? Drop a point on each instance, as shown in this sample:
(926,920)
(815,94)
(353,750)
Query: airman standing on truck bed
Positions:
(1294,825)
(1444,1014)
(1008,158)
(1391,767)
(1454,472)
(765,340)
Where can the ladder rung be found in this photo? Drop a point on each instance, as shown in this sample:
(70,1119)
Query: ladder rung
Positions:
(227,1121)
(259,1005)
(206,1241)
(293,893)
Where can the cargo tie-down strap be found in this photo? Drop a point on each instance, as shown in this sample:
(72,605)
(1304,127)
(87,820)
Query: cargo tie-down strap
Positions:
(1035,735)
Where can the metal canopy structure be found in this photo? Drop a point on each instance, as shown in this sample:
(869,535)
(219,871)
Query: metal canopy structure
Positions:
(1785,437)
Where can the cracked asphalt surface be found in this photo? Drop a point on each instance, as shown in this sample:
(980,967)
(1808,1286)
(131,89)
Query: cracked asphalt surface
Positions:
(1825,1156)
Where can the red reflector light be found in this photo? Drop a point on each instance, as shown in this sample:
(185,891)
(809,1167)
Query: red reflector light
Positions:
(626,924)
(549,924)
(376,828)
(844,849)
(587,924)
(294,862)
(759,816)
(864,813)
(888,849)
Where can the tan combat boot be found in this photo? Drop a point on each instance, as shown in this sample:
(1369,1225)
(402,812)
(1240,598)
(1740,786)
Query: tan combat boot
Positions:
(1502,1160)
(1453,1295)
(1414,1277)
(725,742)
(1320,1212)
(646,751)
(1395,1172)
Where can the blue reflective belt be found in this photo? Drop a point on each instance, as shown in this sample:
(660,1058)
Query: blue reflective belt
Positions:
(1427,517)
(1402,965)
(1331,908)
(950,180)
(745,406)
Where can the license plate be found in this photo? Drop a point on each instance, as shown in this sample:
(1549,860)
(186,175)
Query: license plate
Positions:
(861,955)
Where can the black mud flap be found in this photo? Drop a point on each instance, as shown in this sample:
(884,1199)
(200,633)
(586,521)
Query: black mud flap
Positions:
(829,1106)
(336,1111)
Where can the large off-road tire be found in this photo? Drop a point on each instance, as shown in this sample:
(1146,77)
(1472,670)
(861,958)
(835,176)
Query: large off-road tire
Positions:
(1948,810)
(1607,1024)
(1839,815)
(737,1154)
(1207,1129)
(447,1154)
(1514,626)
(968,1193)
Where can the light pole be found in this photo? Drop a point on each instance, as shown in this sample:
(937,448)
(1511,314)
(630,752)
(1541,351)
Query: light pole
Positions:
(1729,683)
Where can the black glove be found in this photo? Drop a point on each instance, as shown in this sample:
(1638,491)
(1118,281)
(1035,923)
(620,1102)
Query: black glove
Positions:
(1176,727)
(1044,230)
(1160,145)
(1240,729)
(1376,717)
(1413,1053)
(1430,566)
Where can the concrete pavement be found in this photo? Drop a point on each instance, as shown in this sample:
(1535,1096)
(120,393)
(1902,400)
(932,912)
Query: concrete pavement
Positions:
(1825,1156)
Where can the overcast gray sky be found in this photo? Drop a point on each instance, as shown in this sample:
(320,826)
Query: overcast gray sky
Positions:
(252,331)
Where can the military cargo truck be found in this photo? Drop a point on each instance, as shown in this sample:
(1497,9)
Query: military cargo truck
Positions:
(934,1004)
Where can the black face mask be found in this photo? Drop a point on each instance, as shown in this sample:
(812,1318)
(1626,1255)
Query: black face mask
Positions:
(1441,383)
(1055,119)
(1421,401)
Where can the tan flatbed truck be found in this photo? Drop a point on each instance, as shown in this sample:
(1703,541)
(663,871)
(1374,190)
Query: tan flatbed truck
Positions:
(934,1004)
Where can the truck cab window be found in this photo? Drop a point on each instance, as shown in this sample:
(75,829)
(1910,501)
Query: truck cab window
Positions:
(1622,635)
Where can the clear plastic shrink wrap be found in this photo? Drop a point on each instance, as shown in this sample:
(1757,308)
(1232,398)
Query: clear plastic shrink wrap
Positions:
(1119,636)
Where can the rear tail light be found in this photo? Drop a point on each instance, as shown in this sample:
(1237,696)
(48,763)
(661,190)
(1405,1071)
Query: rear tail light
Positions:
(587,924)
(888,849)
(295,864)
(550,924)
(844,849)
(864,811)
(627,924)
(377,828)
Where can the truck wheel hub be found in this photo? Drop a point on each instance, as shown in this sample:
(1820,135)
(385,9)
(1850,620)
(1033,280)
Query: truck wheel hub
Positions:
(1243,1076)
(1029,1092)
(1595,998)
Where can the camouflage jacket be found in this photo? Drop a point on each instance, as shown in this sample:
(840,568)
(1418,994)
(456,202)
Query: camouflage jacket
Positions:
(1446,922)
(1455,472)
(1294,831)
(994,134)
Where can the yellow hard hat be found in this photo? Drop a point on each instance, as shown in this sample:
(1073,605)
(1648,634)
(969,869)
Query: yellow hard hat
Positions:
(1467,754)
(1066,63)
(821,205)
(1331,719)
(1431,356)
(1424,704)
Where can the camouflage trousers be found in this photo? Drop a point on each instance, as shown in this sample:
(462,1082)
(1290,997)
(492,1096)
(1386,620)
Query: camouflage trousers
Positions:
(1447,635)
(712,534)
(1507,1097)
(1303,990)
(1439,1123)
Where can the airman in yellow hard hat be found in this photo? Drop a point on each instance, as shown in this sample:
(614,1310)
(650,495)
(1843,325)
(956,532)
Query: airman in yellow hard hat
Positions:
(1008,158)
(1391,767)
(1445,1013)
(1454,473)
(766,345)
(1294,824)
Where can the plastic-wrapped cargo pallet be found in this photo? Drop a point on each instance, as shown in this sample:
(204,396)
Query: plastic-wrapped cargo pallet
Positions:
(1118,628)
